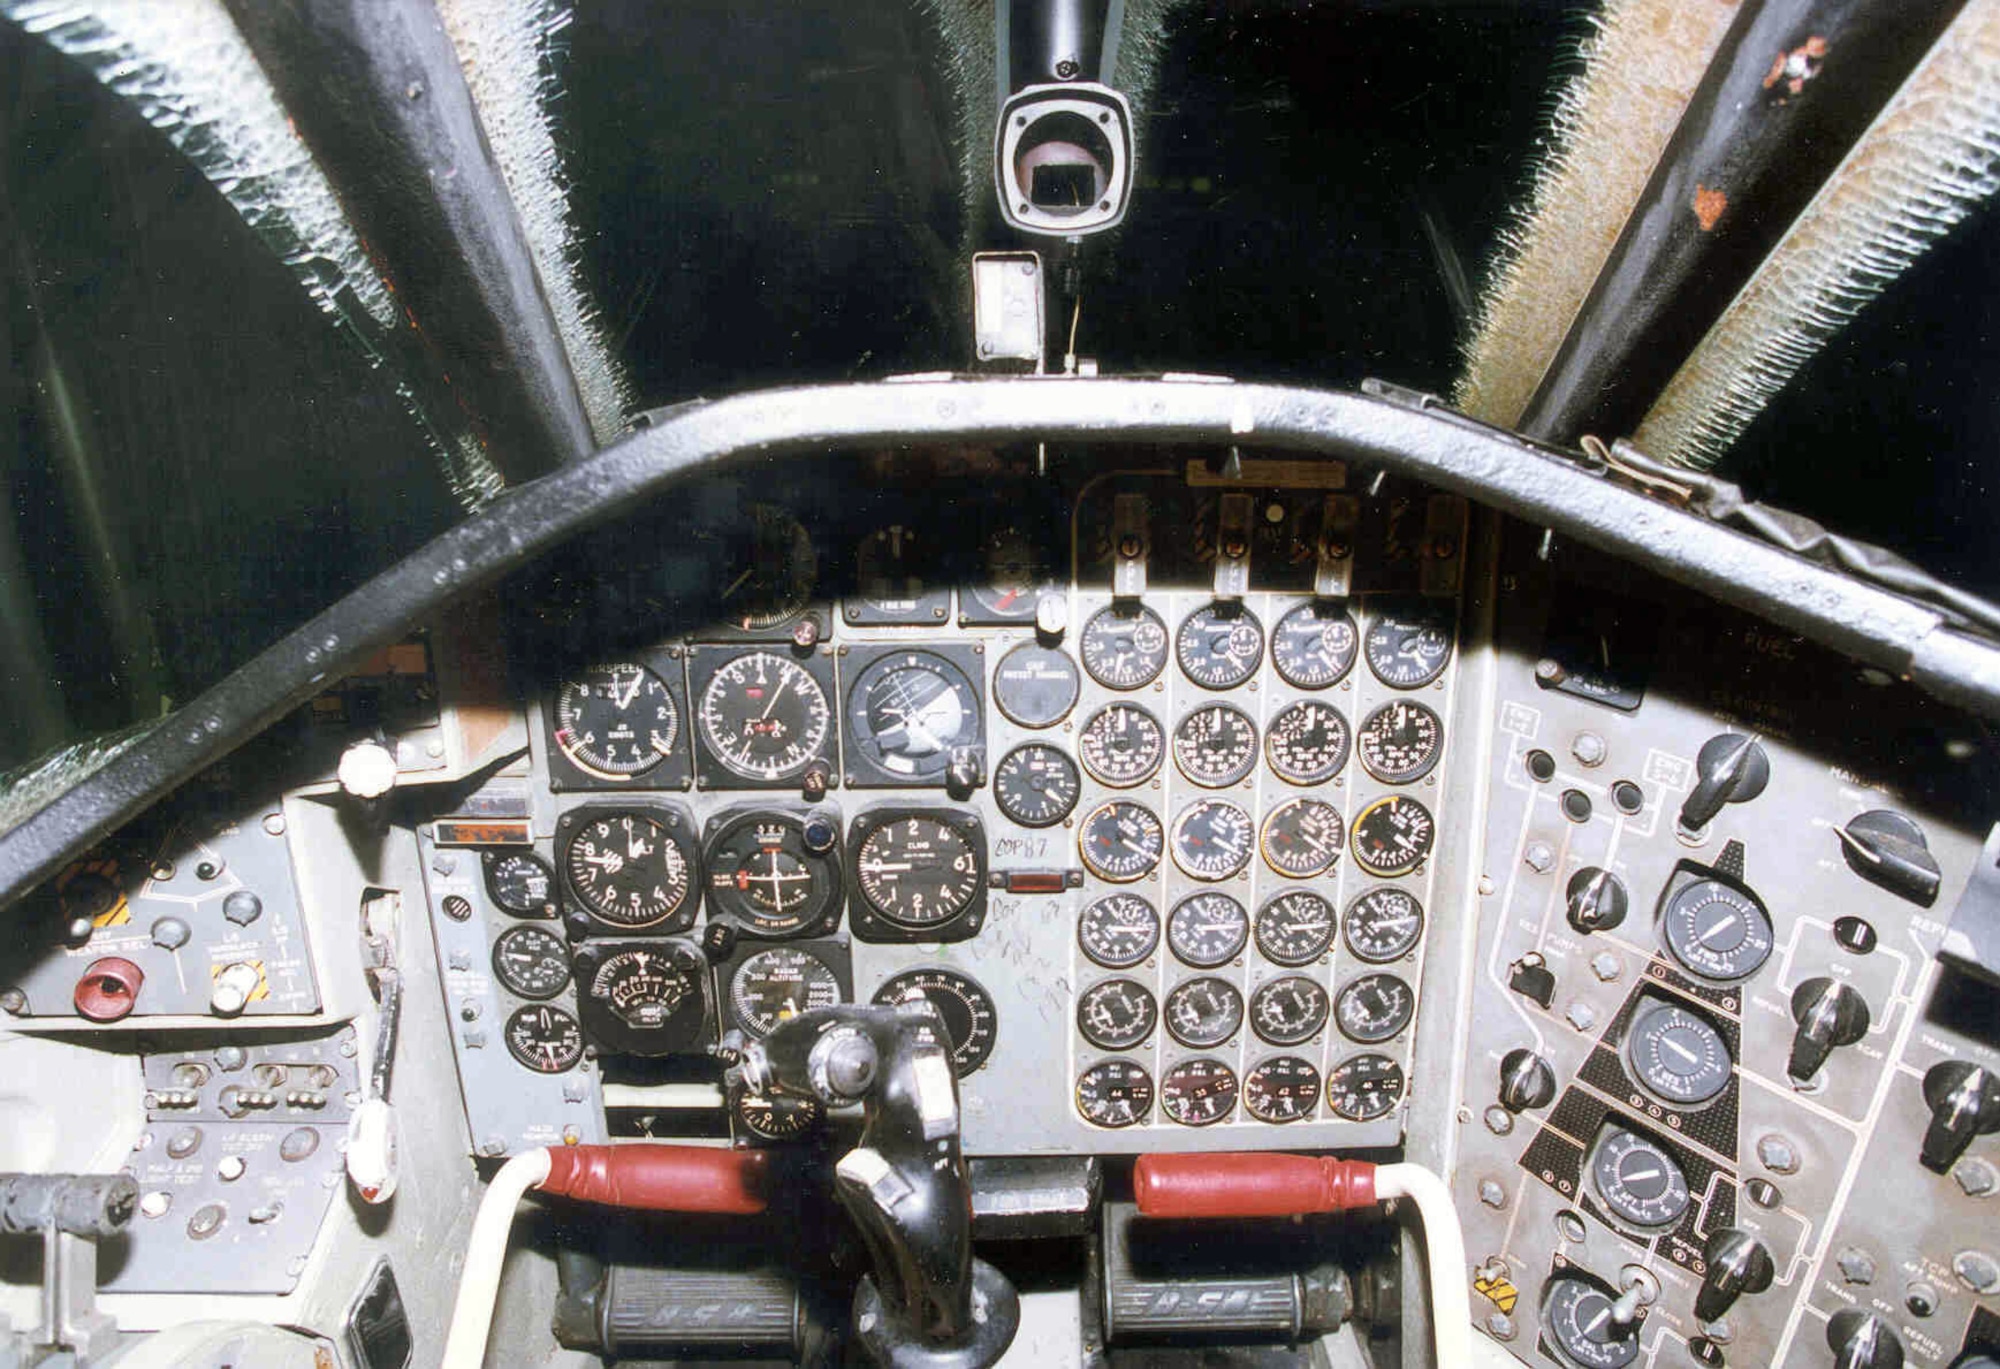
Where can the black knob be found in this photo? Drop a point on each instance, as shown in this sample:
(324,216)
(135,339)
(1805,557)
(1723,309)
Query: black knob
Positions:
(1861,1340)
(1888,849)
(1731,768)
(963,772)
(1597,900)
(1964,1100)
(1829,1014)
(1526,1080)
(1737,1263)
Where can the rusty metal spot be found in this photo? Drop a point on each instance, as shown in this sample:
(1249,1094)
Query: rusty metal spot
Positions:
(1798,66)
(1708,207)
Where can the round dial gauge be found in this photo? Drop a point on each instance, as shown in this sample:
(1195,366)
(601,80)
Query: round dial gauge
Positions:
(1121,745)
(1114,1093)
(1302,838)
(777,985)
(971,1022)
(907,711)
(616,721)
(519,883)
(1015,577)
(531,962)
(1036,686)
(1383,924)
(1401,741)
(888,571)
(1219,647)
(1121,841)
(1295,928)
(1314,645)
(1364,1087)
(775,570)
(1281,1089)
(774,874)
(776,1116)
(1374,1008)
(1216,745)
(1408,648)
(1717,930)
(1116,1014)
(1207,930)
(630,869)
(1307,742)
(1289,1010)
(1393,835)
(1036,785)
(1212,839)
(919,871)
(643,999)
(1676,1054)
(642,987)
(1638,1181)
(1198,1093)
(1124,649)
(545,1039)
(1578,1316)
(1204,1012)
(1118,931)
(764,717)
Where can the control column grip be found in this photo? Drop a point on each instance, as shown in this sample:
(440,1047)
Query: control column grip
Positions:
(659,1178)
(1250,1185)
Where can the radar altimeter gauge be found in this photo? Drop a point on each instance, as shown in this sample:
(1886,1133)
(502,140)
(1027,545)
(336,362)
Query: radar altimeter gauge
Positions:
(919,874)
(616,721)
(762,718)
(643,998)
(775,874)
(777,984)
(971,1021)
(1314,645)
(907,713)
(631,868)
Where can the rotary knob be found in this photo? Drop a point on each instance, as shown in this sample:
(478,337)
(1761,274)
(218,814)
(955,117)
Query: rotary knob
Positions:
(1964,1100)
(1738,1263)
(1861,1340)
(1829,1014)
(1596,900)
(1730,768)
(1526,1081)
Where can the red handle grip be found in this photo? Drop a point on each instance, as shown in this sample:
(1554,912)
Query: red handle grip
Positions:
(1249,1185)
(660,1178)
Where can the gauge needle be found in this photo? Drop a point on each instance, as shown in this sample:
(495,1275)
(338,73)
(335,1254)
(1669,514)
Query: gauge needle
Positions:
(1682,1051)
(1722,926)
(771,703)
(1636,1175)
(737,583)
(624,701)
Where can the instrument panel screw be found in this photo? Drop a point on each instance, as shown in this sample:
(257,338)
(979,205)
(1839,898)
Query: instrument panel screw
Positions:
(14,1001)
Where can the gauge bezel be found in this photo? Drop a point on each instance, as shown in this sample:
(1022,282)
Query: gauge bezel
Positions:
(1566,1352)
(1134,1036)
(518,931)
(1628,1210)
(833,954)
(1639,1031)
(1375,957)
(1292,775)
(1251,1087)
(975,583)
(679,824)
(932,606)
(1688,874)
(1375,1035)
(1403,612)
(812,606)
(870,923)
(1173,1077)
(1100,871)
(1155,758)
(1411,776)
(1189,863)
(1309,682)
(865,764)
(1235,1010)
(725,827)
(1189,769)
(710,770)
(1035,719)
(1323,947)
(1373,1060)
(674,770)
(969,1056)
(507,1038)
(1075,772)
(688,1027)
(1270,1035)
(1410,864)
(1240,936)
(1154,667)
(1083,919)
(1137,1079)
(1299,804)
(491,856)
(1242,673)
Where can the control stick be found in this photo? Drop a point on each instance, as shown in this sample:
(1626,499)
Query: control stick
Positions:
(929,1304)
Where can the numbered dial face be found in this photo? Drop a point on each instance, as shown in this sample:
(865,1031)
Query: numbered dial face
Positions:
(1578,1317)
(774,573)
(1124,650)
(907,711)
(971,1022)
(1717,930)
(1213,839)
(1118,931)
(1036,785)
(1121,841)
(1036,686)
(1295,928)
(1374,1008)
(1365,1087)
(519,883)
(1677,1055)
(1219,648)
(1116,1014)
(1638,1181)
(765,874)
(1216,745)
(616,721)
(547,1040)
(1401,741)
(531,962)
(1204,1012)
(777,985)
(643,988)
(1198,1093)
(630,869)
(919,871)
(1408,648)
(777,1116)
(1307,742)
(1289,1010)
(1383,925)
(1122,745)
(1015,576)
(765,717)
(1114,1094)
(1207,930)
(1302,838)
(1314,645)
(1393,835)
(1281,1089)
